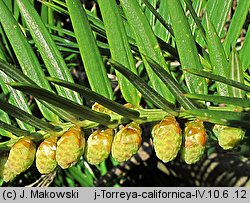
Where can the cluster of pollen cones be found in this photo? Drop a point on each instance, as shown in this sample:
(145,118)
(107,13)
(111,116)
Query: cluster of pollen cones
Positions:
(66,150)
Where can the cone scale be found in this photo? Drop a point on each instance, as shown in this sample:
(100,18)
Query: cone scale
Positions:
(228,137)
(167,139)
(194,142)
(99,146)
(126,142)
(21,157)
(46,156)
(70,147)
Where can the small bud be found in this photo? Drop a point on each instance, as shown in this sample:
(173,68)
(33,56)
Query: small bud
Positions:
(70,147)
(228,137)
(46,156)
(194,142)
(99,146)
(128,105)
(21,157)
(99,108)
(167,139)
(126,142)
